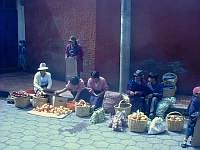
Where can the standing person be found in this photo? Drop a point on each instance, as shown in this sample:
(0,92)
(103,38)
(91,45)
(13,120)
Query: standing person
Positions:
(137,90)
(98,86)
(194,113)
(22,55)
(156,89)
(42,79)
(74,58)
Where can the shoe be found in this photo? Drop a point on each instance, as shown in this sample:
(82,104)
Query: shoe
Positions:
(184,144)
(151,116)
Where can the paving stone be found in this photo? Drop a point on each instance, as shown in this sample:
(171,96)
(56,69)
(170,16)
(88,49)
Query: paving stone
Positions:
(72,146)
(58,142)
(42,147)
(85,141)
(154,140)
(11,148)
(28,145)
(3,138)
(169,142)
(102,144)
(138,138)
(2,145)
(29,138)
(144,145)
(116,147)
(88,147)
(159,146)
(133,148)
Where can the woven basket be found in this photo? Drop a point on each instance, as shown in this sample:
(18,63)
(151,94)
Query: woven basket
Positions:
(22,102)
(169,91)
(60,101)
(71,105)
(82,111)
(174,125)
(171,77)
(137,125)
(123,106)
(39,101)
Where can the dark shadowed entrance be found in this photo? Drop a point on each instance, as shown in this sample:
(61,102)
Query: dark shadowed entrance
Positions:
(8,36)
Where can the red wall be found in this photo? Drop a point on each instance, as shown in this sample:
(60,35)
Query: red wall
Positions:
(166,38)
(108,40)
(49,23)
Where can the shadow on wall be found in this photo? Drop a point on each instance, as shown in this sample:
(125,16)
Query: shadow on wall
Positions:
(162,67)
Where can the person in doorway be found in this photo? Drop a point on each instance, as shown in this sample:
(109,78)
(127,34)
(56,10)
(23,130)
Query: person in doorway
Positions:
(137,90)
(194,114)
(98,86)
(155,96)
(77,87)
(74,58)
(42,79)
(22,51)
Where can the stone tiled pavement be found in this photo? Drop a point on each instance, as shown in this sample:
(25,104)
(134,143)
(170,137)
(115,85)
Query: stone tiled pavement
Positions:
(19,130)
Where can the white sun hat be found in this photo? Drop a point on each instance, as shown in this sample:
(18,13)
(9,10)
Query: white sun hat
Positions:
(42,66)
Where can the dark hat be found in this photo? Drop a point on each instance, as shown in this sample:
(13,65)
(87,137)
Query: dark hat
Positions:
(72,38)
(138,73)
(153,75)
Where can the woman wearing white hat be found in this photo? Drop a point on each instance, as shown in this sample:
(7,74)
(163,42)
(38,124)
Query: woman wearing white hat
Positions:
(42,79)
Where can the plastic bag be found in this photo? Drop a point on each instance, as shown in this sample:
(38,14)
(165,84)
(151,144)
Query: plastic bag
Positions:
(98,116)
(157,126)
(163,105)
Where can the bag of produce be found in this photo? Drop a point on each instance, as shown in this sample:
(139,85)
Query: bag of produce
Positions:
(98,116)
(157,126)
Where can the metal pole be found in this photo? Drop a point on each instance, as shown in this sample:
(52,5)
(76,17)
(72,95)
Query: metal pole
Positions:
(125,44)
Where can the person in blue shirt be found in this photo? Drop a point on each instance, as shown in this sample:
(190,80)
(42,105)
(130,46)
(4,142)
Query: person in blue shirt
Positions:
(155,96)
(137,90)
(194,113)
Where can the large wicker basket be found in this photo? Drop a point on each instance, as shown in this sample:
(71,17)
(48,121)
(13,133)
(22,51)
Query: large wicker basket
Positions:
(22,102)
(39,101)
(123,106)
(59,101)
(170,77)
(137,125)
(174,124)
(169,91)
(82,111)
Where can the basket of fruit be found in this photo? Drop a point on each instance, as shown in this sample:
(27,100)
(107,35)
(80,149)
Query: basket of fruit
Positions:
(82,109)
(71,105)
(21,99)
(39,100)
(123,106)
(137,122)
(175,121)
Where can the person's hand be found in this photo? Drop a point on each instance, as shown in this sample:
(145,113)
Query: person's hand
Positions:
(150,96)
(131,93)
(56,92)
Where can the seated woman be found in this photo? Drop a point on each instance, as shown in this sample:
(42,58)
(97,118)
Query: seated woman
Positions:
(98,86)
(42,79)
(137,90)
(77,87)
(156,94)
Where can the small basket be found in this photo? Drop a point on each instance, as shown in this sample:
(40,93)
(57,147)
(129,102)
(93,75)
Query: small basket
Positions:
(169,91)
(71,105)
(123,106)
(169,77)
(139,126)
(175,125)
(22,102)
(82,111)
(59,101)
(39,101)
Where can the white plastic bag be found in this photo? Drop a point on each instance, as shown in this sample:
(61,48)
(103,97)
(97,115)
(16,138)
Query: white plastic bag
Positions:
(157,126)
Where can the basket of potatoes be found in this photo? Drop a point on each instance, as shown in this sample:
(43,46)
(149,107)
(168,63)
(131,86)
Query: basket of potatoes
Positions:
(82,109)
(137,122)
(175,121)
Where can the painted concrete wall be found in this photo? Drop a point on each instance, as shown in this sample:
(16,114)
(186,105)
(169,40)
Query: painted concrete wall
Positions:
(49,23)
(166,38)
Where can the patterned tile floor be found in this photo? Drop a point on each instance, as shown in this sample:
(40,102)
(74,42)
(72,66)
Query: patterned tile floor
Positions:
(22,131)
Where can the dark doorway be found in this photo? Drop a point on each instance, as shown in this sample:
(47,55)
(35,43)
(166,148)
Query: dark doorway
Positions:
(8,36)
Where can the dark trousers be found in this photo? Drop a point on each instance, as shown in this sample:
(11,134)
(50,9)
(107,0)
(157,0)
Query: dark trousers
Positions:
(190,127)
(152,104)
(138,103)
